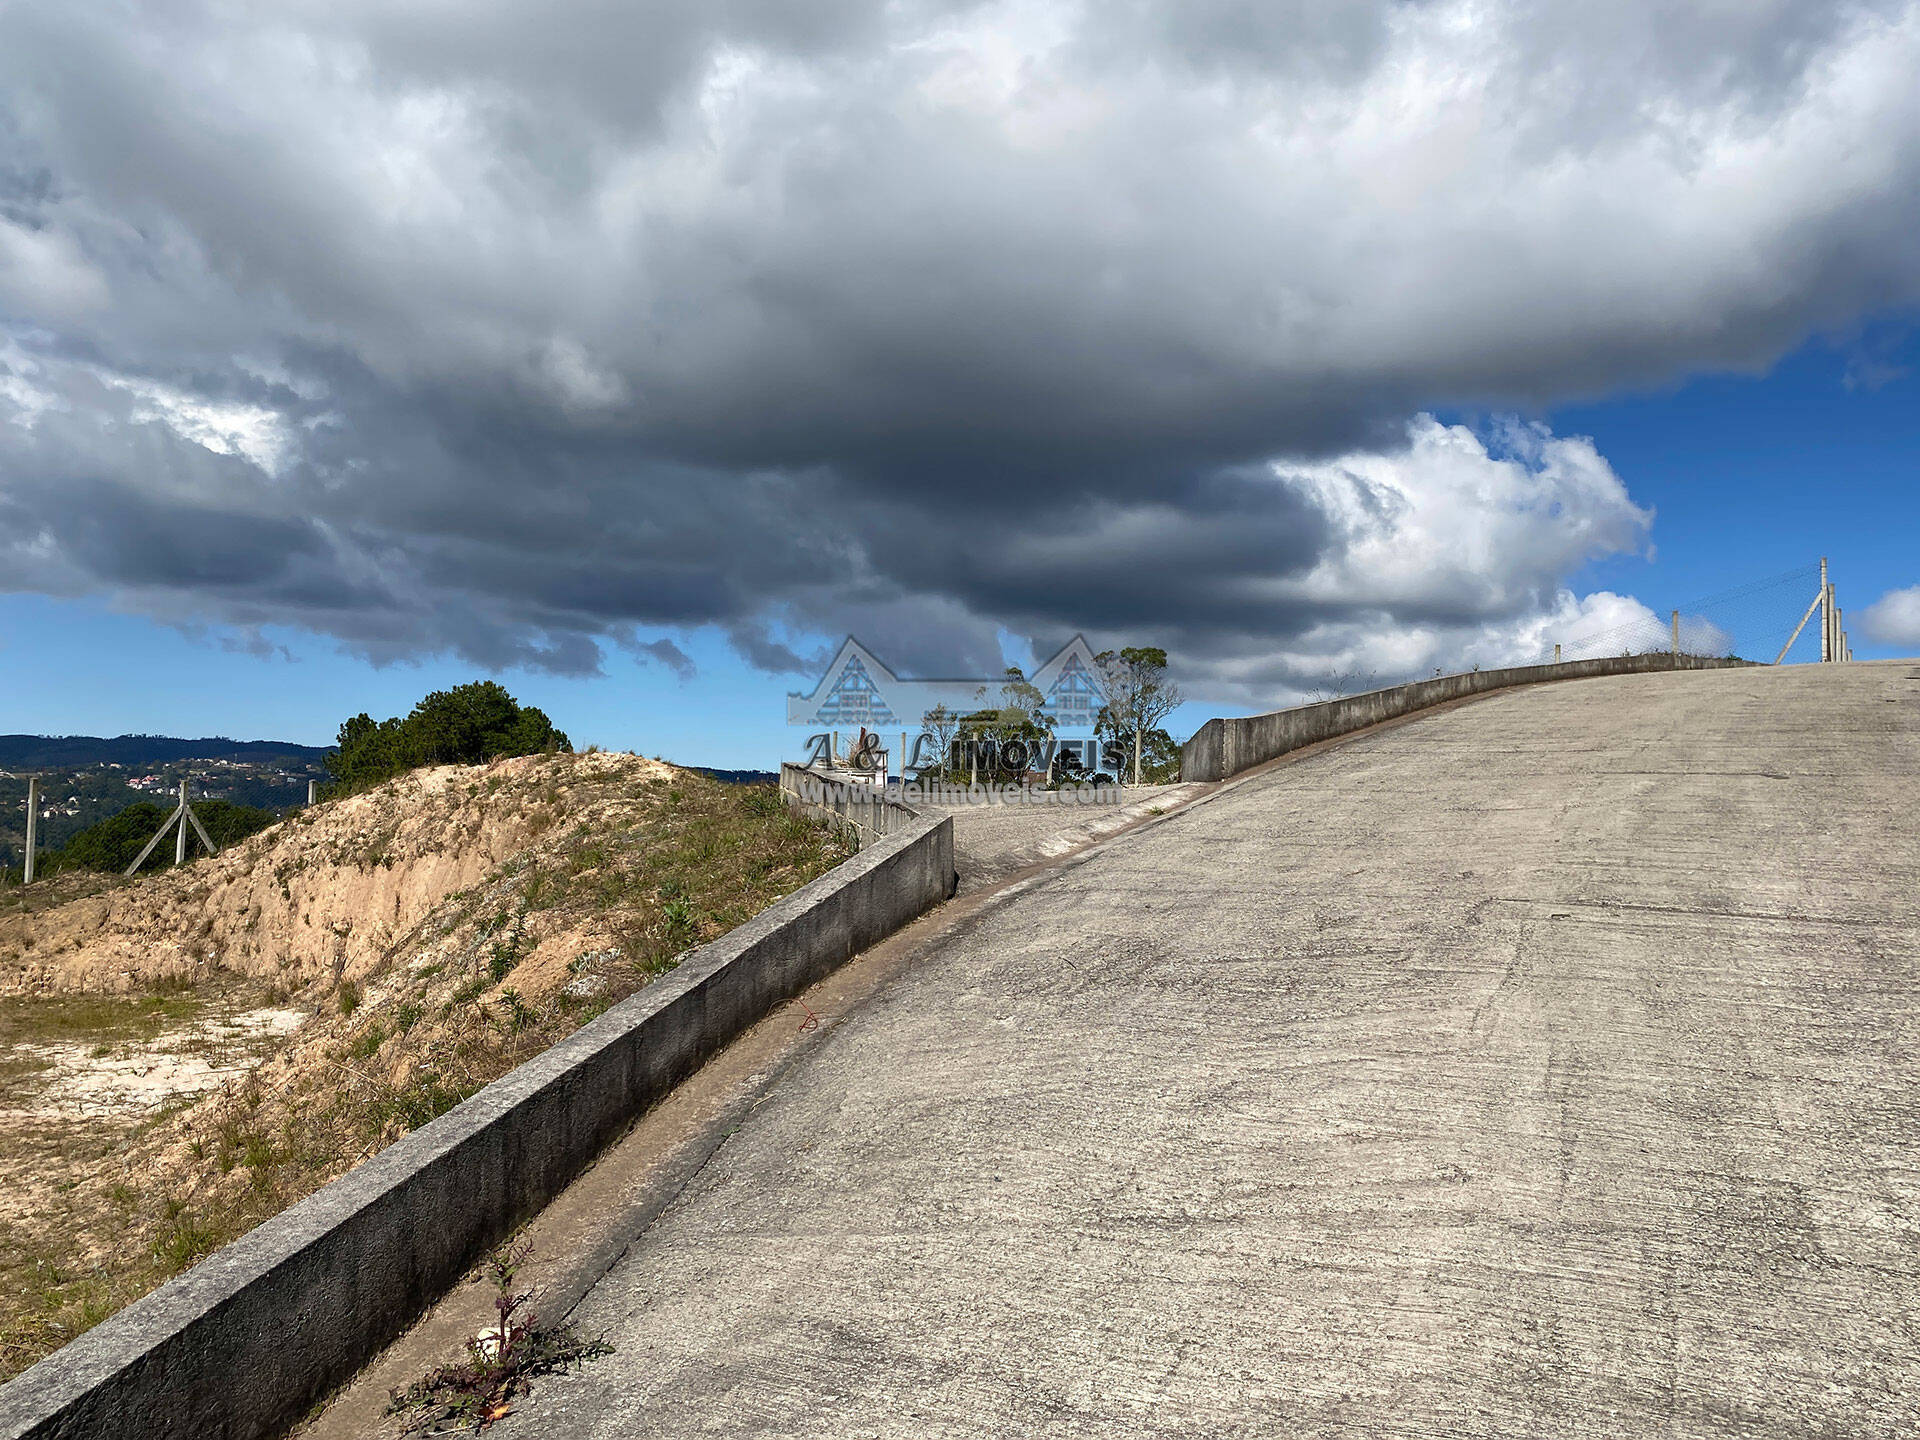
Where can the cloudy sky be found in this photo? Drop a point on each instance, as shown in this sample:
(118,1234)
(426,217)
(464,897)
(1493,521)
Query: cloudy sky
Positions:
(640,350)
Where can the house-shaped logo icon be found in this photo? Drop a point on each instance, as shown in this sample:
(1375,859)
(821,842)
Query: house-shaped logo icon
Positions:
(859,689)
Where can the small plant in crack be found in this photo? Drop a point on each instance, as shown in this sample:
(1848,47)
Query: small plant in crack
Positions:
(500,1363)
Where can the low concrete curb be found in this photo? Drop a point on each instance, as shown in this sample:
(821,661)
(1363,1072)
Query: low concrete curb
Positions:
(242,1345)
(1221,748)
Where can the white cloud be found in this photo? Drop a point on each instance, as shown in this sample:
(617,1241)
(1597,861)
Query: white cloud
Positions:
(1450,550)
(1445,521)
(1894,619)
(31,385)
(258,433)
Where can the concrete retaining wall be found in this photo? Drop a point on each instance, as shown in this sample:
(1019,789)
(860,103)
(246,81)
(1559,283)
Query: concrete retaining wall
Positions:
(1226,747)
(862,808)
(243,1344)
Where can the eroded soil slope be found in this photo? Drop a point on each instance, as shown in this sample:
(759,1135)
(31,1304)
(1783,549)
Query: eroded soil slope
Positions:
(184,1055)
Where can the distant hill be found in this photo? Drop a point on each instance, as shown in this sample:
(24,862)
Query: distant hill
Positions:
(62,752)
(736,777)
(85,779)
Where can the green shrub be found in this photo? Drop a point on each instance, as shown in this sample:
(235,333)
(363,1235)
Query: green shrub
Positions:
(466,725)
(503,957)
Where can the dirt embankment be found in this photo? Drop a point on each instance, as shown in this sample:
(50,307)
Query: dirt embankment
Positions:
(324,895)
(184,1055)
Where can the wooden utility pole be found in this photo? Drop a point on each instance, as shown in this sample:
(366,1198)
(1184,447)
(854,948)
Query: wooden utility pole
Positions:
(33,827)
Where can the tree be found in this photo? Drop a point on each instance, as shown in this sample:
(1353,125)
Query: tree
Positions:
(1138,694)
(944,725)
(466,725)
(1021,717)
(1160,754)
(366,752)
(972,727)
(1156,751)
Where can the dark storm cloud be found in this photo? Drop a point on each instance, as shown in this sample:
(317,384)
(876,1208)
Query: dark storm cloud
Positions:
(669,655)
(515,330)
(188,546)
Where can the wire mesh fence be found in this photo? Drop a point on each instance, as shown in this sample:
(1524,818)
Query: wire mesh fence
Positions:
(1753,621)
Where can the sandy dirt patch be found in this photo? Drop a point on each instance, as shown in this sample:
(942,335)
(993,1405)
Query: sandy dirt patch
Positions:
(133,1078)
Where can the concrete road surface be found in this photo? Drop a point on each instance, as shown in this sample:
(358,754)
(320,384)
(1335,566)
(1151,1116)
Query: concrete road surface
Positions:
(1544,1067)
(993,842)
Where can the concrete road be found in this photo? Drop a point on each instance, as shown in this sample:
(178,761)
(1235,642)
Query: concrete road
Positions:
(993,842)
(1543,1067)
